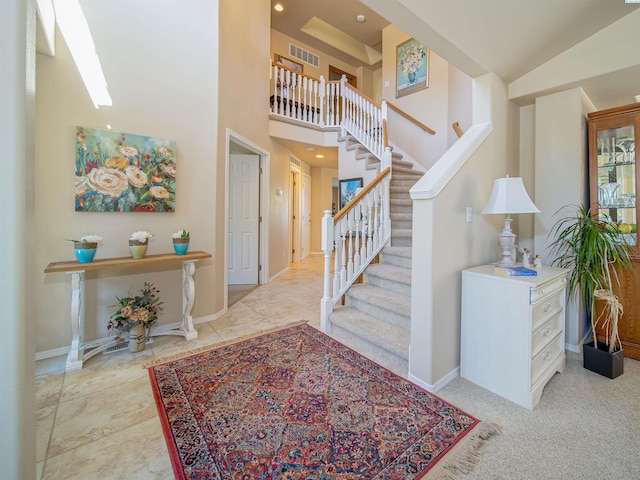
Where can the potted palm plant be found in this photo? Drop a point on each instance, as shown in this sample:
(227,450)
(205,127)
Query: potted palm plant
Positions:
(596,252)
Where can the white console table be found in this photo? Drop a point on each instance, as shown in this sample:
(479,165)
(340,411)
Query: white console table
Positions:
(512,331)
(81,351)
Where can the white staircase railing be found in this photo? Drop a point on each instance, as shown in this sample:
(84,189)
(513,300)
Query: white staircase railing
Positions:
(363,119)
(298,96)
(329,104)
(356,235)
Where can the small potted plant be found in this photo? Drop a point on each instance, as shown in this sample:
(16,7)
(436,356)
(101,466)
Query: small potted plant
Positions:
(181,241)
(593,247)
(135,316)
(138,243)
(85,248)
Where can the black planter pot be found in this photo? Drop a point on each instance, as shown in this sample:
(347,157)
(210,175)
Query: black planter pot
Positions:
(599,360)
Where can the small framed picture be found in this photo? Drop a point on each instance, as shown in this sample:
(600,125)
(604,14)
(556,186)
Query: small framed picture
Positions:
(412,67)
(286,63)
(348,189)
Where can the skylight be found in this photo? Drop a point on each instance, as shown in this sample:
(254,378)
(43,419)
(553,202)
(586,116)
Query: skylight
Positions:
(76,33)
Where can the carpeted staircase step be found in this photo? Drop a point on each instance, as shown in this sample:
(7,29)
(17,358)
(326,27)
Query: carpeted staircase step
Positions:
(401,237)
(389,277)
(407,171)
(383,304)
(382,342)
(396,162)
(402,220)
(404,173)
(398,256)
(401,205)
(407,183)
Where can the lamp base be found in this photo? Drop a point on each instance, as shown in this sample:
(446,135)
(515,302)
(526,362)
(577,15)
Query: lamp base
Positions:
(506,240)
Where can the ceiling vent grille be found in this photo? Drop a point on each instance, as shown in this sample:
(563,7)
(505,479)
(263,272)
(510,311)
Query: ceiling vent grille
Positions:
(294,160)
(304,55)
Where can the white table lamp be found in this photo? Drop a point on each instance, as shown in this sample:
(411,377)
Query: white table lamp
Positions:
(508,196)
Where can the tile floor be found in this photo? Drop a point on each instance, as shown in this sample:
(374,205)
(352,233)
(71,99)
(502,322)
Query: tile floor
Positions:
(101,422)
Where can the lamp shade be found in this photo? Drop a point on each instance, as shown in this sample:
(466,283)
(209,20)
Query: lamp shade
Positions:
(509,196)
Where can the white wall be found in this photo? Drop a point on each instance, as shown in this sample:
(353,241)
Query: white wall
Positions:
(161,65)
(321,198)
(561,167)
(429,106)
(449,244)
(17,401)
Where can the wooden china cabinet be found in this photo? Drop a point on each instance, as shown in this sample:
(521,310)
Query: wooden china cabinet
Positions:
(614,180)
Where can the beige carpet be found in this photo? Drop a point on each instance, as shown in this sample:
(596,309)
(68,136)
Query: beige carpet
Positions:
(585,427)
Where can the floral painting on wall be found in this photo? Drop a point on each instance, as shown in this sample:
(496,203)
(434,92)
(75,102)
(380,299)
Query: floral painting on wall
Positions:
(121,172)
(412,68)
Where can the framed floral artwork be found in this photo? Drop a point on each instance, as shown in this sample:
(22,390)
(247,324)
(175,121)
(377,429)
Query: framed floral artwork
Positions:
(122,172)
(412,67)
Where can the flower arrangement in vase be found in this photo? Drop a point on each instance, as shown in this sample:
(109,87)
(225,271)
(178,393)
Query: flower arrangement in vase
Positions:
(138,243)
(136,314)
(181,241)
(85,248)
(412,57)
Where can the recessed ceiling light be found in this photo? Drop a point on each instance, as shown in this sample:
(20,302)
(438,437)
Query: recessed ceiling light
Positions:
(278,7)
(361,18)
(310,149)
(319,156)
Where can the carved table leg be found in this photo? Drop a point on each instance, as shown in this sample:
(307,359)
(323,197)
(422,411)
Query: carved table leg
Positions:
(76,353)
(188,297)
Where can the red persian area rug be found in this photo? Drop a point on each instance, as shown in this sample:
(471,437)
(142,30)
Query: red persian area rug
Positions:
(296,404)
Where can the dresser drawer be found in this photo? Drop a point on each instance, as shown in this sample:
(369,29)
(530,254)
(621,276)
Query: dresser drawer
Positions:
(537,294)
(546,309)
(543,335)
(543,360)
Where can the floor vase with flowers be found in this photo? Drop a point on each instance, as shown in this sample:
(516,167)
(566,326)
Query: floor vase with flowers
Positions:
(137,338)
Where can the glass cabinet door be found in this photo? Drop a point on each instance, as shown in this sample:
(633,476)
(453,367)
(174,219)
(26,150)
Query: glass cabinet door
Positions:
(616,179)
(613,175)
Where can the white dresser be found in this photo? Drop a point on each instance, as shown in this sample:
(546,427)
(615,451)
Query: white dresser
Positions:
(512,331)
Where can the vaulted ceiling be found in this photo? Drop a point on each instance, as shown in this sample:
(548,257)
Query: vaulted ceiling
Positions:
(507,37)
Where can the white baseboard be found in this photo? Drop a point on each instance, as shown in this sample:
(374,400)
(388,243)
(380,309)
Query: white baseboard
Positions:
(439,384)
(578,348)
(280,273)
(56,352)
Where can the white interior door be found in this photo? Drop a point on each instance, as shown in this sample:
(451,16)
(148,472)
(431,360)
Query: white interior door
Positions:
(244,226)
(294,216)
(305,217)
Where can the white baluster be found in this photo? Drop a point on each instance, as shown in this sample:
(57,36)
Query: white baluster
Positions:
(275,89)
(322,93)
(336,262)
(350,256)
(300,91)
(369,225)
(357,215)
(363,246)
(387,205)
(343,255)
(376,219)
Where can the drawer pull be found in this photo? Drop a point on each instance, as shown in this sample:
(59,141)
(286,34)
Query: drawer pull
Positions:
(547,307)
(547,331)
(547,355)
(541,291)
